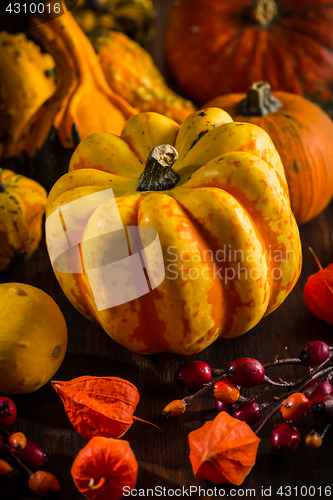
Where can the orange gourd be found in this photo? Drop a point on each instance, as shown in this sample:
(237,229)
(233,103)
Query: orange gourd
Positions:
(216,47)
(130,71)
(302,133)
(82,103)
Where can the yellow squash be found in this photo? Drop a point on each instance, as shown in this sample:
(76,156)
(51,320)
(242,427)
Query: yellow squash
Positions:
(230,243)
(26,81)
(22,205)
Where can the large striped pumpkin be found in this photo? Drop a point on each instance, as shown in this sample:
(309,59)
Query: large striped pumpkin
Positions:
(222,212)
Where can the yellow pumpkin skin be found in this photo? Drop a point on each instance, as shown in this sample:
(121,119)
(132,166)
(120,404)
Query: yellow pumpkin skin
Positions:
(22,206)
(302,133)
(232,194)
(26,81)
(131,72)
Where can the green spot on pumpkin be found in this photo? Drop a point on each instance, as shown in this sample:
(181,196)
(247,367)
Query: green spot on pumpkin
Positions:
(296,166)
(203,132)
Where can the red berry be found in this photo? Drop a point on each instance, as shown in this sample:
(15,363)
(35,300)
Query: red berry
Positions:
(321,408)
(284,439)
(44,483)
(246,372)
(250,412)
(193,375)
(219,406)
(33,456)
(315,353)
(226,392)
(8,412)
(324,389)
(295,406)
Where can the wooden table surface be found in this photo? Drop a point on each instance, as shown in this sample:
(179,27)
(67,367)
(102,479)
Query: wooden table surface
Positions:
(163,455)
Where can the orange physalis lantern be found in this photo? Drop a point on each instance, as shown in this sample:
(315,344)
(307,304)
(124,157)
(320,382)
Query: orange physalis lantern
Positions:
(223,450)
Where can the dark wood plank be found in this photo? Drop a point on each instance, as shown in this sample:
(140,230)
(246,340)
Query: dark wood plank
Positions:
(163,455)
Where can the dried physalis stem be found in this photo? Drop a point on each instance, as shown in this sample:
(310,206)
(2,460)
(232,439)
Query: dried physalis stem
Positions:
(93,486)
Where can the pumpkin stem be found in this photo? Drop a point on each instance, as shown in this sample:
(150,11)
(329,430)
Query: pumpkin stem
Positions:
(259,101)
(158,174)
(2,187)
(263,11)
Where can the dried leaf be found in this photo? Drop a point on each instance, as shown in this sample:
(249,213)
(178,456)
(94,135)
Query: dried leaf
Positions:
(104,467)
(99,406)
(318,292)
(223,450)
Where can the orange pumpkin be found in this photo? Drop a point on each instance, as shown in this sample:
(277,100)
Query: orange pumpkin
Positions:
(303,135)
(216,47)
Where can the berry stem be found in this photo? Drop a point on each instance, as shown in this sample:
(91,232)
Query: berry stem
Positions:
(270,416)
(6,449)
(325,430)
(278,384)
(189,399)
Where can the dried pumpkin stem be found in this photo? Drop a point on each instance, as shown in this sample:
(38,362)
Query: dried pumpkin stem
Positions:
(259,101)
(93,486)
(158,174)
(263,11)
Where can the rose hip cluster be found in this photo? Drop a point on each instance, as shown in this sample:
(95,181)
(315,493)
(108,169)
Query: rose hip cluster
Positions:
(310,395)
(23,453)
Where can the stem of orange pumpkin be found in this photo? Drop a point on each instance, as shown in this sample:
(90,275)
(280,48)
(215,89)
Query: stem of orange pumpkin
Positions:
(259,101)
(263,11)
(316,259)
(158,174)
(93,486)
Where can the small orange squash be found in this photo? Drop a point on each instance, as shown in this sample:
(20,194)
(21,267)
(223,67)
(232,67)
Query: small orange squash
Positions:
(82,103)
(131,72)
(303,135)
